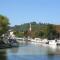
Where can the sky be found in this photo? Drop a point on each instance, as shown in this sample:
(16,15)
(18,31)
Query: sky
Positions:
(24,11)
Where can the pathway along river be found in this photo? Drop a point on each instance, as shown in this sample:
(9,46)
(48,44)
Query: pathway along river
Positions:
(28,51)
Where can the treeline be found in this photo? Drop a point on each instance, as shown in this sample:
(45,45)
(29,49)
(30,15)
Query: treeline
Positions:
(41,30)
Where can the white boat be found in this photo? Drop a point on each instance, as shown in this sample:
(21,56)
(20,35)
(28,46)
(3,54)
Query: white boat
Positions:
(38,40)
(52,42)
(44,41)
(58,42)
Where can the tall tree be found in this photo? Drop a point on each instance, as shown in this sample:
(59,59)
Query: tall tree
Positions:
(4,23)
(51,32)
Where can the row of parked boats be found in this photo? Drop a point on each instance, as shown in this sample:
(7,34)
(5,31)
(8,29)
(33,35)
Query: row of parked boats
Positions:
(39,41)
(45,41)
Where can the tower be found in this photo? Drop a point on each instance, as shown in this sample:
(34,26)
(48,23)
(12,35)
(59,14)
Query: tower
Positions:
(29,31)
(30,28)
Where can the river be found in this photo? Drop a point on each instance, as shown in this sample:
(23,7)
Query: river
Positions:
(30,52)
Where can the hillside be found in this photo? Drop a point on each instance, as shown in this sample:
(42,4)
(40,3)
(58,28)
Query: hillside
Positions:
(38,29)
(35,26)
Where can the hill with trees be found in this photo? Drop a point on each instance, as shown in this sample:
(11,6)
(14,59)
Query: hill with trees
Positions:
(42,30)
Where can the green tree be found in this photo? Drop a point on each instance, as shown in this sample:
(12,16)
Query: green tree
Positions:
(4,23)
(41,34)
(18,33)
(51,32)
(26,33)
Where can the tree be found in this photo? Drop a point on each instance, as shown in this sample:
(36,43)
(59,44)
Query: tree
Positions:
(18,33)
(51,32)
(4,23)
(26,33)
(41,34)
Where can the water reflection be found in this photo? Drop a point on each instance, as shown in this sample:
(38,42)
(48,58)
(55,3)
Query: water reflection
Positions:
(55,51)
(28,51)
(50,56)
(14,50)
(3,54)
(50,53)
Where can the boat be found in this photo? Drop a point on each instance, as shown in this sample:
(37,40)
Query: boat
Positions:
(58,42)
(52,42)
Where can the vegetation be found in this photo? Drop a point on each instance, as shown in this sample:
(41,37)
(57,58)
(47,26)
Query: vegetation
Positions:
(4,23)
(42,30)
(51,32)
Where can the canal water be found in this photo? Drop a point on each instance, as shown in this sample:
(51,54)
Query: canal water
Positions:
(31,52)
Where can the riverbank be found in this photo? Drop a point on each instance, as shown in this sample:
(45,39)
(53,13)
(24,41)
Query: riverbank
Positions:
(3,45)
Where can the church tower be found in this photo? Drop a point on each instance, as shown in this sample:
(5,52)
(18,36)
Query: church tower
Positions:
(29,31)
(30,28)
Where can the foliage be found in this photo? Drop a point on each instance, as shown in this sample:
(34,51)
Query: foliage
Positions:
(41,30)
(51,32)
(18,34)
(26,33)
(4,22)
